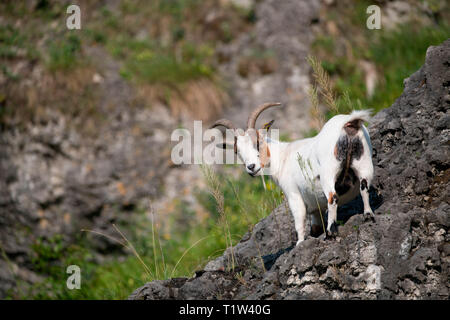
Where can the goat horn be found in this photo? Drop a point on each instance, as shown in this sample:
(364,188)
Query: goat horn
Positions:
(254,115)
(223,122)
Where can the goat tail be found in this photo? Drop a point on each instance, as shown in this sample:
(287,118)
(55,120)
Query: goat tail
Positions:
(355,120)
(348,147)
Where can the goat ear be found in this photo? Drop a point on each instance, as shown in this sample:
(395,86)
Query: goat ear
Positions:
(268,125)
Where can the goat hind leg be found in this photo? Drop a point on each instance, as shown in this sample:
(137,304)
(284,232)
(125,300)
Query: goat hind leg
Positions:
(364,189)
(298,210)
(328,181)
(364,172)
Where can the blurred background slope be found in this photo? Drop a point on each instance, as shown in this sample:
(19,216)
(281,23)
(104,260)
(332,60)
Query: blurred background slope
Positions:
(86,117)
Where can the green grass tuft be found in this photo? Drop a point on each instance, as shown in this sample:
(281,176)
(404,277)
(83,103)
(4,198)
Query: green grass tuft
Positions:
(148,62)
(63,53)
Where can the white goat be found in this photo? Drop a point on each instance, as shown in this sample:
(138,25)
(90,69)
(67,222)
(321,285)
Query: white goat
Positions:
(339,165)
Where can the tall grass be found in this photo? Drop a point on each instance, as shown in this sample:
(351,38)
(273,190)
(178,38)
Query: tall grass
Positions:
(215,187)
(322,80)
(150,255)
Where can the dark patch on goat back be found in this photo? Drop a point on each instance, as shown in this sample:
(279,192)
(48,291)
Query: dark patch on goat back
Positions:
(348,148)
(341,148)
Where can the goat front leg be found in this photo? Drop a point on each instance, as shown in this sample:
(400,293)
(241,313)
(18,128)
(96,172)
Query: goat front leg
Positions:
(328,187)
(332,215)
(298,209)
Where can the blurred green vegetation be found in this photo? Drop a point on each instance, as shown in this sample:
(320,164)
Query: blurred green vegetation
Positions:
(396,53)
(170,56)
(399,54)
(13,44)
(163,44)
(153,64)
(164,49)
(10,41)
(186,248)
(63,52)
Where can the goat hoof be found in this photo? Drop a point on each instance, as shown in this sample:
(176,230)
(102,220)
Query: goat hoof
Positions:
(330,236)
(316,231)
(369,216)
(332,233)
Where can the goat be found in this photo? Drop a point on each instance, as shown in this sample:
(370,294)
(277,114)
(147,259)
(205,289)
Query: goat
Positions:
(339,162)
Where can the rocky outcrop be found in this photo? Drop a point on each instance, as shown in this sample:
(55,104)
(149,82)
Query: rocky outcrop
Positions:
(55,178)
(405,254)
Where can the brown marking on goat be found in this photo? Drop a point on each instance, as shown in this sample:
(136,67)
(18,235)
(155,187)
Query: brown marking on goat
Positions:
(330,198)
(352,127)
(335,151)
(264,155)
(263,149)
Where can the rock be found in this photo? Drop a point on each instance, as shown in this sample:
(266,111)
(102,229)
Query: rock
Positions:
(154,291)
(282,35)
(57,178)
(403,255)
(244,4)
(397,12)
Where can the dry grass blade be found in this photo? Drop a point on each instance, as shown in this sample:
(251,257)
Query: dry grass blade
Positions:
(346,101)
(241,205)
(263,182)
(127,244)
(214,187)
(249,224)
(130,245)
(185,252)
(106,236)
(323,81)
(153,239)
(8,261)
(315,111)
